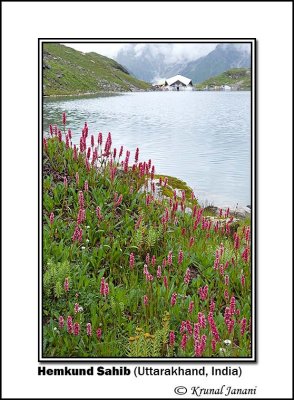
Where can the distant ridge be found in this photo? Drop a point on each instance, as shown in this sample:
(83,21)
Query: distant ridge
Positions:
(151,66)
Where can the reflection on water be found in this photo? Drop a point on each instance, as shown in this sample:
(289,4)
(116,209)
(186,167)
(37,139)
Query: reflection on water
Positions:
(200,137)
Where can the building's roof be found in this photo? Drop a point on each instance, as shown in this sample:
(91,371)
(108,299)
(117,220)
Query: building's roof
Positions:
(183,79)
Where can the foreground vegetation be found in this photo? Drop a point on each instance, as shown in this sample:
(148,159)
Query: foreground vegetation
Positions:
(70,72)
(238,78)
(132,267)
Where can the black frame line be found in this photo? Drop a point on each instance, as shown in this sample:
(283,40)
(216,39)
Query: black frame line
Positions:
(253,168)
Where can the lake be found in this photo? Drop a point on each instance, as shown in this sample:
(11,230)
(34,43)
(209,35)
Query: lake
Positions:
(203,138)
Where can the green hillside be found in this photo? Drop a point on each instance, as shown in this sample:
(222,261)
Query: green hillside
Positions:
(67,72)
(237,78)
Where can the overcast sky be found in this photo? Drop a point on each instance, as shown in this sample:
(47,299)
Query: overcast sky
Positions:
(173,51)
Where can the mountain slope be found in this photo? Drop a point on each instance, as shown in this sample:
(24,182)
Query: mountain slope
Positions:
(237,78)
(221,59)
(67,71)
(150,64)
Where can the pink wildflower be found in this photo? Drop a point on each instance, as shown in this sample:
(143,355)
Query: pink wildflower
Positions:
(180,257)
(191,307)
(201,320)
(213,345)
(170,258)
(213,327)
(243,326)
(69,324)
(102,286)
(89,329)
(152,172)
(132,260)
(199,346)
(189,327)
(196,331)
(100,138)
(81,216)
(137,155)
(243,281)
(99,333)
(145,300)
(245,254)
(158,273)
(118,201)
(75,152)
(172,338)
(98,213)
(63,118)
(173,299)
(165,282)
(183,327)
(65,183)
(247,234)
(81,199)
(227,316)
(184,341)
(236,241)
(221,269)
(76,328)
(61,322)
(145,269)
(203,292)
(76,308)
(187,276)
(66,284)
(227,280)
(226,294)
(51,218)
(212,306)
(86,186)
(232,305)
(191,242)
(77,235)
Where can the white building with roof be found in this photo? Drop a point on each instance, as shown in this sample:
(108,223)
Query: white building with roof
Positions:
(176,83)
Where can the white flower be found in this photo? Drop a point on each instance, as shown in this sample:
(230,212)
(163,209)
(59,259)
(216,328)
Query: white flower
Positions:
(83,247)
(87,240)
(80,309)
(55,329)
(227,342)
(87,227)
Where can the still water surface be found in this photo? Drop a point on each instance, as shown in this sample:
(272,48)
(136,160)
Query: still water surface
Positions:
(202,138)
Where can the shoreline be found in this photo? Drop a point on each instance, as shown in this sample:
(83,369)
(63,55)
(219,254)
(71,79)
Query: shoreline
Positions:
(132,91)
(95,93)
